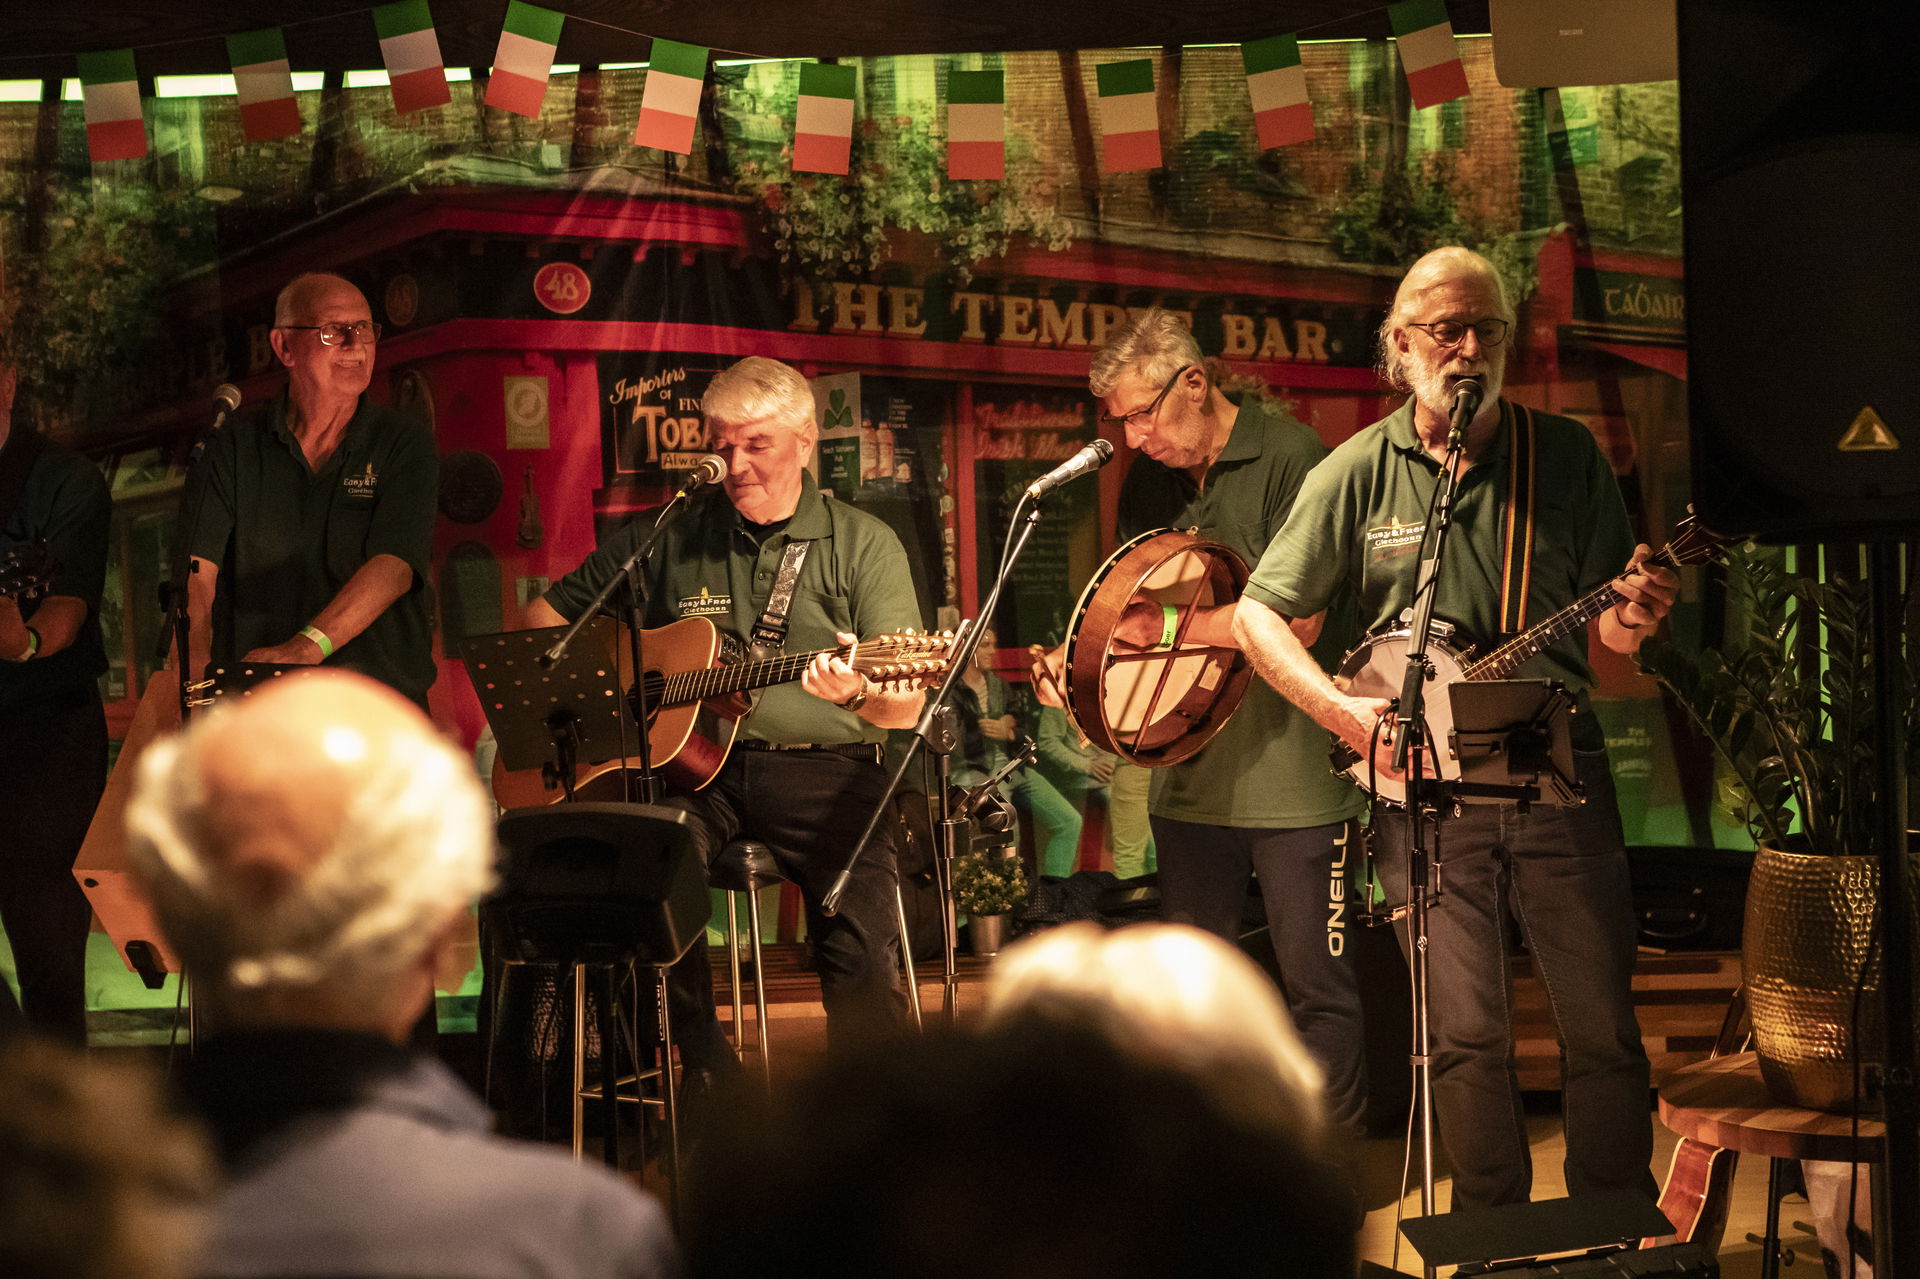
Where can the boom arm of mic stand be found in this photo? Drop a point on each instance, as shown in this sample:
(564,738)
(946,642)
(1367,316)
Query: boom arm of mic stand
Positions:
(964,645)
(1412,709)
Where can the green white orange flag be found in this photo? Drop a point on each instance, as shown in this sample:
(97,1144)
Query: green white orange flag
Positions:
(1277,83)
(110,93)
(1129,116)
(823,124)
(1427,51)
(671,103)
(523,63)
(977,124)
(265,82)
(411,51)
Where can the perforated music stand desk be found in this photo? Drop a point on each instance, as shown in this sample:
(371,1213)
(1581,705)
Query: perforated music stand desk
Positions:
(1510,733)
(526,703)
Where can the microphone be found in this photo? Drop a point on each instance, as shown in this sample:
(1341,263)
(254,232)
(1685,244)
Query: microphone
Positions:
(710,469)
(226,398)
(1090,458)
(1467,393)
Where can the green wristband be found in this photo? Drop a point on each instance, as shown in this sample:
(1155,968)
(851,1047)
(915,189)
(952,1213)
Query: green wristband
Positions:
(1169,625)
(320,640)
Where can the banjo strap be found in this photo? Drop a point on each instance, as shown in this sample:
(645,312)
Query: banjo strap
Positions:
(1516,572)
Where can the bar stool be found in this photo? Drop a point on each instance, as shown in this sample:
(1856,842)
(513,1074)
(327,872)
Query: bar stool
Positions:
(746,866)
(602,889)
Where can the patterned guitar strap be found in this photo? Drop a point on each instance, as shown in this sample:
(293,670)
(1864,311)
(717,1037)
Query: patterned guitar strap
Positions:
(770,628)
(1516,574)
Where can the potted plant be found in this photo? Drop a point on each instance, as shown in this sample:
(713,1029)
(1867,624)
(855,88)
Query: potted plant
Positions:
(988,885)
(1788,709)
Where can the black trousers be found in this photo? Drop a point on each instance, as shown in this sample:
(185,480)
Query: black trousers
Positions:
(808,807)
(53,766)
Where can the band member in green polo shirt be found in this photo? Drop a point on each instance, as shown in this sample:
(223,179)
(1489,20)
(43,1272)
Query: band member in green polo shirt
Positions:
(53,733)
(804,775)
(1258,801)
(1560,872)
(314,535)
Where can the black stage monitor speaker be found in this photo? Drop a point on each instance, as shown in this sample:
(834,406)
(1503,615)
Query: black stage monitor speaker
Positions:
(1800,147)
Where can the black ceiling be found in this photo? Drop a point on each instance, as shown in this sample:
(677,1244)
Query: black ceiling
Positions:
(38,38)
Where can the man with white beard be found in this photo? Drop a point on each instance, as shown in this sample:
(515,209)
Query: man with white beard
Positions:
(1561,873)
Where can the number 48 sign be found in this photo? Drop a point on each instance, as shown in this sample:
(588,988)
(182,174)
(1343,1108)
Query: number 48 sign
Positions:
(562,287)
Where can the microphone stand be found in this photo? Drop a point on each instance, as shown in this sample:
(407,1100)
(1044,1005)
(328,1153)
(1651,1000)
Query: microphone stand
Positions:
(1411,750)
(951,826)
(193,498)
(643,786)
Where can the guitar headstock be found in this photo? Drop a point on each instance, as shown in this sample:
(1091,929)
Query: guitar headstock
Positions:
(905,657)
(1692,543)
(24,575)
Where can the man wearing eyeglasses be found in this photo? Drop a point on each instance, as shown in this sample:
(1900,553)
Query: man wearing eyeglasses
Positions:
(314,534)
(1561,873)
(1258,802)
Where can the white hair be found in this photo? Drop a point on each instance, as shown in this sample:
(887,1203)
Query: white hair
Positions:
(757,388)
(294,303)
(1433,268)
(1167,993)
(1155,346)
(414,843)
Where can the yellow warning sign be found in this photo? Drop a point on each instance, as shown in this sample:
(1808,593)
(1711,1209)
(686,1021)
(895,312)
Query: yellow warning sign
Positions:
(1868,434)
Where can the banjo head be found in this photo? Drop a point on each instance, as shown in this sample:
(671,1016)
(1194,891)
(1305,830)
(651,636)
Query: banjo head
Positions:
(1157,706)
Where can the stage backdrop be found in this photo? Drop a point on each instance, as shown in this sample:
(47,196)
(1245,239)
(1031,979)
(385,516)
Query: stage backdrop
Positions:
(556,297)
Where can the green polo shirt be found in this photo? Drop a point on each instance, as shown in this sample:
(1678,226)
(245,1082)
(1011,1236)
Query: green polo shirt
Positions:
(287,538)
(711,563)
(1360,516)
(63,503)
(1269,766)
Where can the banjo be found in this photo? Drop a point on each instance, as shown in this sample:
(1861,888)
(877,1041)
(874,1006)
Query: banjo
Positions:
(1377,666)
(1155,706)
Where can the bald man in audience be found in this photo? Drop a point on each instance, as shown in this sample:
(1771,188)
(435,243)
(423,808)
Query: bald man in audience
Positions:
(311,853)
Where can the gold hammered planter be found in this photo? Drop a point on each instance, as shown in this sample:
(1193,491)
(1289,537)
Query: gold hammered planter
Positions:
(1806,937)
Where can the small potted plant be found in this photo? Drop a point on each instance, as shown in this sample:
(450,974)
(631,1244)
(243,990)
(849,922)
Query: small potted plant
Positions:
(987,886)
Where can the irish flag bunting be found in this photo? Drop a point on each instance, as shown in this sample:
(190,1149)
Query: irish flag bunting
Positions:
(1277,82)
(977,124)
(524,61)
(265,81)
(671,103)
(1129,116)
(110,91)
(823,125)
(412,53)
(1427,52)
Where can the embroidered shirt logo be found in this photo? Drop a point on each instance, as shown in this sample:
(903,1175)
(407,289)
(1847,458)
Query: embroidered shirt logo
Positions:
(1394,538)
(361,485)
(706,604)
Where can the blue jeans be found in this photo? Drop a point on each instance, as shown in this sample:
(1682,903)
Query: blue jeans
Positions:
(1562,874)
(1310,920)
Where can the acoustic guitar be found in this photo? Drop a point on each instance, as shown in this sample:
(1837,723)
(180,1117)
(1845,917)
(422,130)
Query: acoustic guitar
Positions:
(1375,668)
(696,698)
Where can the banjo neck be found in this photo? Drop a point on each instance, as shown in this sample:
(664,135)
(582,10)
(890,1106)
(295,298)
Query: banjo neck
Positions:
(1503,660)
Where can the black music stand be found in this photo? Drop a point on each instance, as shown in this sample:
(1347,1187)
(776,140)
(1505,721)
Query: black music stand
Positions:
(550,718)
(603,887)
(1514,741)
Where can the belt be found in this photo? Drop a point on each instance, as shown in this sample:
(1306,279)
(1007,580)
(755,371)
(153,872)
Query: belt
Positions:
(869,751)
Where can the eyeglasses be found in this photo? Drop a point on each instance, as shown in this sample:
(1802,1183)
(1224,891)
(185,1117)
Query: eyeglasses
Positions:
(1453,333)
(336,334)
(1121,419)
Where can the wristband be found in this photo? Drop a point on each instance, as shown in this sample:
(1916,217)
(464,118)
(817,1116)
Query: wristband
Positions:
(320,640)
(33,647)
(1169,625)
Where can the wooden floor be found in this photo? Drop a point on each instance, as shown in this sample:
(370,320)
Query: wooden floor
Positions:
(1679,998)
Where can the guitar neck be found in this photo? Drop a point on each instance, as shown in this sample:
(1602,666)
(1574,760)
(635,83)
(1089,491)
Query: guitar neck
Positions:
(687,687)
(1502,661)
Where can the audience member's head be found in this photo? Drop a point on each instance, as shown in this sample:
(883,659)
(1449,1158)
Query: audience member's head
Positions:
(1171,995)
(1035,1149)
(97,1180)
(310,852)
